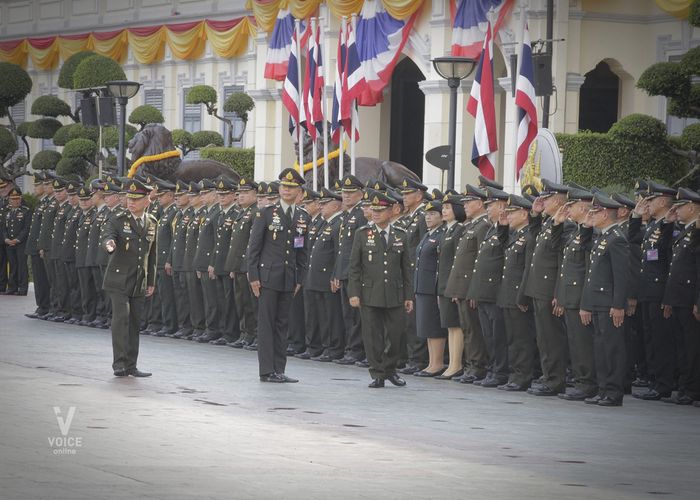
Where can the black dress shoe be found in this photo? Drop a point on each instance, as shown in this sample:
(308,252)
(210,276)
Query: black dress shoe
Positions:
(376,383)
(467,378)
(239,344)
(182,333)
(105,325)
(23,294)
(219,341)
(121,373)
(203,339)
(251,347)
(542,390)
(409,369)
(679,399)
(362,364)
(135,372)
(491,382)
(271,377)
(449,377)
(45,316)
(286,379)
(303,355)
(396,380)
(609,402)
(593,400)
(512,387)
(651,395)
(32,315)
(573,395)
(345,360)
(425,373)
(640,382)
(323,358)
(58,319)
(696,404)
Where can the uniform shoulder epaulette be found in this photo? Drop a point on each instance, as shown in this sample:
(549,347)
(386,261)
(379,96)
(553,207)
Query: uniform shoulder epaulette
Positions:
(399,228)
(151,217)
(302,209)
(364,228)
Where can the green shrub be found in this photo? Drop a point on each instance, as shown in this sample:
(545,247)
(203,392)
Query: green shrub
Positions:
(182,140)
(96,71)
(204,138)
(664,78)
(8,143)
(15,84)
(239,103)
(46,160)
(145,114)
(30,200)
(80,148)
(694,14)
(23,128)
(50,105)
(65,76)
(690,138)
(110,136)
(62,135)
(72,166)
(239,159)
(639,127)
(80,131)
(44,128)
(201,94)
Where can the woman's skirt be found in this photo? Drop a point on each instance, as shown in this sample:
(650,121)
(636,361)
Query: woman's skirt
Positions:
(428,317)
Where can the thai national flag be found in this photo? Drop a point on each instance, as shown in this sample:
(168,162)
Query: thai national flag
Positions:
(318,84)
(337,120)
(354,81)
(312,110)
(380,40)
(290,89)
(469,23)
(280,46)
(525,100)
(481,105)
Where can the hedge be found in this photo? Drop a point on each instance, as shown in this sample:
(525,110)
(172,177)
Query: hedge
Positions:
(46,160)
(240,159)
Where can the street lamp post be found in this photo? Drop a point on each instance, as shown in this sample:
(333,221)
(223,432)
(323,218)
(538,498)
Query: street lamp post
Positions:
(122,91)
(454,70)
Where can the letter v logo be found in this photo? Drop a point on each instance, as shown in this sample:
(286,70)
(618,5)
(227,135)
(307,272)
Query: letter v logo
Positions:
(64,424)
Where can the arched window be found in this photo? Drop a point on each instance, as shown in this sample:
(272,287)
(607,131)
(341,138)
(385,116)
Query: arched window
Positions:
(599,99)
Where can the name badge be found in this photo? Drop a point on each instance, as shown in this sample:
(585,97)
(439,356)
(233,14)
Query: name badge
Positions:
(653,254)
(298,242)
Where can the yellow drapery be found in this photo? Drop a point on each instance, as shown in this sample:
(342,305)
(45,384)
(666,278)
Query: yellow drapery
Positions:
(677,8)
(265,12)
(189,44)
(17,55)
(115,48)
(232,42)
(148,49)
(44,58)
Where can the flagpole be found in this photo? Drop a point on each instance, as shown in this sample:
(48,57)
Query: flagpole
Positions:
(326,174)
(300,81)
(353,113)
(341,166)
(511,181)
(313,124)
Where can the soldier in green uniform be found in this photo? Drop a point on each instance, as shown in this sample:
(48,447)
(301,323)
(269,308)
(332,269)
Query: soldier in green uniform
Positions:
(112,196)
(86,281)
(152,320)
(236,264)
(164,280)
(5,187)
(61,286)
(194,285)
(44,242)
(130,239)
(229,324)
(67,253)
(14,233)
(604,300)
(41,280)
(457,286)
(176,261)
(261,195)
(99,190)
(380,284)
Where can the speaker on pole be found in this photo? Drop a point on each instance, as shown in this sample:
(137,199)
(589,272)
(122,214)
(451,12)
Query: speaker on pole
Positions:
(100,111)
(542,66)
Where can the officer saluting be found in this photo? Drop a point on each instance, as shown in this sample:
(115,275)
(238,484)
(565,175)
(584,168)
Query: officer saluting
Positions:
(129,237)
(276,268)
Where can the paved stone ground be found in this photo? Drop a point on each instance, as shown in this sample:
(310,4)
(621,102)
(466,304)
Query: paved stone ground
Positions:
(204,427)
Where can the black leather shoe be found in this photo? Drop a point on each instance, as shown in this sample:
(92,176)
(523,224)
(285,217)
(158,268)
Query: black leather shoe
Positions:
(410,369)
(323,358)
(696,404)
(105,325)
(640,382)
(542,390)
(271,377)
(251,347)
(593,400)
(679,399)
(609,402)
(45,317)
(303,355)
(239,344)
(396,380)
(292,351)
(345,360)
(58,319)
(425,373)
(121,373)
(135,372)
(449,377)
(362,364)
(573,395)
(219,341)
(651,395)
(467,378)
(511,387)
(376,383)
(286,379)
(32,315)
(203,339)
(491,382)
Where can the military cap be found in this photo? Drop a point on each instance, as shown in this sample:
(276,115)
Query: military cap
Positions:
(84,193)
(111,188)
(473,193)
(516,202)
(111,178)
(3,182)
(486,182)
(437,194)
(623,200)
(654,190)
(151,180)
(291,177)
(351,183)
(309,195)
(225,185)
(141,177)
(451,191)
(273,189)
(97,185)
(136,189)
(262,188)
(206,185)
(530,190)
(247,184)
(640,187)
(686,195)
(367,197)
(72,187)
(48,178)
(495,194)
(574,195)
(59,184)
(601,202)
(550,188)
(378,185)
(181,187)
(337,185)
(327,195)
(15,192)
(38,178)
(433,206)
(410,185)
(453,199)
(381,201)
(396,194)
(193,188)
(575,185)
(163,186)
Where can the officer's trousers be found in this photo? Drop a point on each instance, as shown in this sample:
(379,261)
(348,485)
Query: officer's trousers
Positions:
(475,354)
(273,315)
(88,297)
(247,307)
(42,289)
(18,279)
(609,345)
(552,344)
(126,318)
(580,338)
(383,329)
(522,345)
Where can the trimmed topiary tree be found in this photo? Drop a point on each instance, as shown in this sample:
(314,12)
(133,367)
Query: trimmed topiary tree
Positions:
(62,135)
(182,140)
(15,85)
(96,71)
(65,76)
(44,128)
(205,138)
(52,106)
(241,104)
(145,114)
(8,145)
(46,160)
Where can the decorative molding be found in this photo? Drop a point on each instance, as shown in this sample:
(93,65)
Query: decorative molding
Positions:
(264,94)
(610,17)
(574,82)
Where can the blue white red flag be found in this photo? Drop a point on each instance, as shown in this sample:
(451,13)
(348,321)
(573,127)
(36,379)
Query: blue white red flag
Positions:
(280,46)
(354,80)
(469,21)
(380,40)
(337,120)
(525,100)
(290,88)
(311,113)
(481,106)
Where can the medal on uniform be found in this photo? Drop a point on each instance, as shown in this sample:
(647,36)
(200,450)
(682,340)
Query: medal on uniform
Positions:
(274,235)
(369,257)
(126,247)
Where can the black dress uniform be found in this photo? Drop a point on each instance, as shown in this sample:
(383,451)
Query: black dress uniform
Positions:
(236,263)
(277,259)
(3,246)
(194,286)
(15,228)
(164,281)
(177,261)
(606,288)
(380,275)
(41,280)
(520,325)
(318,289)
(350,221)
(131,270)
(61,288)
(44,242)
(67,253)
(682,294)
(425,282)
(86,281)
(94,250)
(449,313)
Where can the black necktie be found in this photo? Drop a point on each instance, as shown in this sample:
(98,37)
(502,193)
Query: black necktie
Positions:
(288,213)
(382,233)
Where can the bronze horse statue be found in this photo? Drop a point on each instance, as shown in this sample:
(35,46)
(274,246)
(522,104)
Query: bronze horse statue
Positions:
(155,139)
(366,169)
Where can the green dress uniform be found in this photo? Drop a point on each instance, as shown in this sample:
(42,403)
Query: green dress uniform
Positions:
(68,251)
(152,320)
(61,288)
(202,259)
(44,245)
(229,322)
(130,271)
(177,259)
(86,280)
(102,305)
(164,281)
(16,226)
(194,284)
(380,275)
(3,247)
(41,279)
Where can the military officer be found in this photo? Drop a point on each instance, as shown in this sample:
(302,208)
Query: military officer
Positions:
(457,286)
(682,294)
(261,195)
(44,242)
(351,220)
(152,320)
(41,280)
(61,286)
(67,253)
(86,283)
(380,284)
(101,190)
(5,187)
(236,264)
(129,237)
(657,252)
(277,260)
(194,285)
(272,194)
(175,262)
(540,283)
(15,230)
(604,300)
(112,195)
(229,323)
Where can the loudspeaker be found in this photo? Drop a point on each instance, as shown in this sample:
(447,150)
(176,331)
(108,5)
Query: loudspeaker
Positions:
(96,111)
(542,66)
